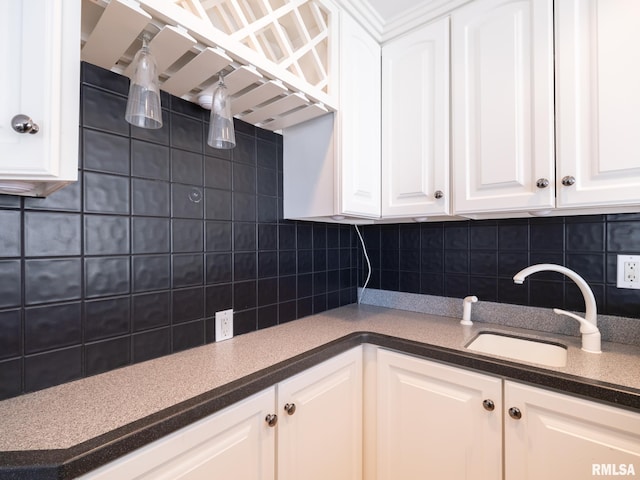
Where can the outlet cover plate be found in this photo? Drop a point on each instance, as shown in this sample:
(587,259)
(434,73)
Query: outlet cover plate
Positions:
(628,271)
(224,325)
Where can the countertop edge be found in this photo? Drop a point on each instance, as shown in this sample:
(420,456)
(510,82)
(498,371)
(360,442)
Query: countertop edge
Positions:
(98,451)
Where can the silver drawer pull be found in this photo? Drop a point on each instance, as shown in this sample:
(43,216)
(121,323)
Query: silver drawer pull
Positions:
(23,124)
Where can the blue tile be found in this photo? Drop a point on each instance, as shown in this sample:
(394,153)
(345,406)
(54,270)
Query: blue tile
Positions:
(151,310)
(151,272)
(188,270)
(61,231)
(52,280)
(244,295)
(188,304)
(187,201)
(186,133)
(106,235)
(244,178)
(106,152)
(186,167)
(106,276)
(585,237)
(52,368)
(151,197)
(217,204)
(10,335)
(188,335)
(52,326)
(10,378)
(218,236)
(10,283)
(104,111)
(151,344)
(151,235)
(107,318)
(188,236)
(106,193)
(218,268)
(10,227)
(149,160)
(218,297)
(107,355)
(217,173)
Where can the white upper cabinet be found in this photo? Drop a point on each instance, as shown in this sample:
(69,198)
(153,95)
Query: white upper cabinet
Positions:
(502,106)
(597,101)
(332,163)
(40,49)
(359,120)
(415,123)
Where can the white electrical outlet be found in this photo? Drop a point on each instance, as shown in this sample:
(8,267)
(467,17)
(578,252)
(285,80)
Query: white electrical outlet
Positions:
(628,271)
(224,325)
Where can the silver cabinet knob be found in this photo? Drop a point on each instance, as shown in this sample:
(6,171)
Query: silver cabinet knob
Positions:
(438,194)
(290,408)
(542,183)
(488,405)
(568,180)
(23,124)
(515,413)
(271,419)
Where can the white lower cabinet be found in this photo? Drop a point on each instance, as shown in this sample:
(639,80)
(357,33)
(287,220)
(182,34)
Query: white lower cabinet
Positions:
(431,421)
(559,437)
(233,443)
(321,437)
(434,421)
(422,420)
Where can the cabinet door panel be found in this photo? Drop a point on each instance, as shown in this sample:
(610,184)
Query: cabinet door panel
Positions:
(323,438)
(502,68)
(236,441)
(359,116)
(560,437)
(431,421)
(598,73)
(40,49)
(415,122)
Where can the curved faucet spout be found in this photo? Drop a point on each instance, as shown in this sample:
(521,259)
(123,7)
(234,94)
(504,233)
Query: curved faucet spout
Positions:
(591,314)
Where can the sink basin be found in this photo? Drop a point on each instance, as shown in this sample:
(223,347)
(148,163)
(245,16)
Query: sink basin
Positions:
(518,348)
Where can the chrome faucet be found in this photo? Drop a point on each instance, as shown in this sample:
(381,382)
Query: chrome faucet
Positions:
(588,324)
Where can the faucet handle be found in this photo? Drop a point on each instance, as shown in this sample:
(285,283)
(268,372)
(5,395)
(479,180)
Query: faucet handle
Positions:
(589,331)
(585,327)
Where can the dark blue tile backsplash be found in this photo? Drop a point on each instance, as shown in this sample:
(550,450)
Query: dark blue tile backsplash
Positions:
(456,259)
(161,231)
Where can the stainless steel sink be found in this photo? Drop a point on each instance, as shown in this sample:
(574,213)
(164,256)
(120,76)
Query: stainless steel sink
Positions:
(519,348)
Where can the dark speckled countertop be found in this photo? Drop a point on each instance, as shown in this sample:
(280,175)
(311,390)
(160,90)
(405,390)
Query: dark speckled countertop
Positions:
(64,431)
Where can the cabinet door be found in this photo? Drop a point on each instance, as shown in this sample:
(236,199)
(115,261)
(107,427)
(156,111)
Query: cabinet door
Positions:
(359,120)
(560,437)
(233,443)
(415,123)
(502,97)
(40,50)
(322,439)
(598,99)
(432,423)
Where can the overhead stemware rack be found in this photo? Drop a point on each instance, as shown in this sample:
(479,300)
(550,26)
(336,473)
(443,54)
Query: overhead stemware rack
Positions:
(277,56)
